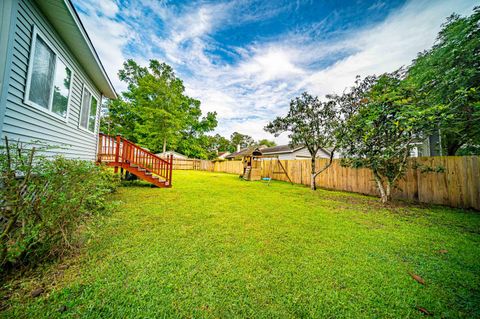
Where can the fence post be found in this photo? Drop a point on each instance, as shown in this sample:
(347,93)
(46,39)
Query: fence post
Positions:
(117,153)
(171,168)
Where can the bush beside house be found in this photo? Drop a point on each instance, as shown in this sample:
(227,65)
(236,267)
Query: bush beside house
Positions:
(43,201)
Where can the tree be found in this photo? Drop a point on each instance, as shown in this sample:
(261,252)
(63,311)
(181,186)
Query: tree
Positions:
(449,74)
(241,139)
(157,96)
(220,143)
(266,142)
(155,112)
(384,117)
(312,123)
(194,142)
(119,118)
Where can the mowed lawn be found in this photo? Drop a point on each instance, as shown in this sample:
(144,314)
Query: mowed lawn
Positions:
(214,246)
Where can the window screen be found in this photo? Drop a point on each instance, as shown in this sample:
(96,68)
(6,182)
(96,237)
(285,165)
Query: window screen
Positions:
(43,65)
(85,108)
(50,79)
(61,88)
(93,115)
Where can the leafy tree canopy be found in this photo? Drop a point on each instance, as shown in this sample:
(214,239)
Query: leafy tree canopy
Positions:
(449,74)
(266,142)
(156,113)
(310,122)
(384,118)
(241,139)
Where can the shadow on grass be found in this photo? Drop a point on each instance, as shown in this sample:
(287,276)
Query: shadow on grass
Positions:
(136,183)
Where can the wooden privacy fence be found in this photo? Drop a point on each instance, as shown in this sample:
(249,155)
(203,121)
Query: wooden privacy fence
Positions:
(234,167)
(457,184)
(186,163)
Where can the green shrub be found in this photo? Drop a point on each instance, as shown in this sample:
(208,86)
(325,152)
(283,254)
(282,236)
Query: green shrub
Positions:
(43,201)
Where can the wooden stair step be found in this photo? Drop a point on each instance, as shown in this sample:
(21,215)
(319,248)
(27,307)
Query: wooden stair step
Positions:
(121,153)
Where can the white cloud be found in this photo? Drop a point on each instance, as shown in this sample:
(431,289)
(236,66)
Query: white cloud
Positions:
(248,93)
(387,46)
(271,64)
(107,8)
(270,74)
(108,35)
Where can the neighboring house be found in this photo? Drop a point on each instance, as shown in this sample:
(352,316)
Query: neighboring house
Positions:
(175,155)
(286,152)
(283,152)
(429,147)
(52,81)
(222,155)
(241,152)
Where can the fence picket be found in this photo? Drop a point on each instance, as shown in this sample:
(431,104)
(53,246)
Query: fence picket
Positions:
(457,186)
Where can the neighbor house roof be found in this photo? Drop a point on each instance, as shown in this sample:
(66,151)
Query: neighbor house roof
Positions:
(223,155)
(64,18)
(247,151)
(281,149)
(286,149)
(175,154)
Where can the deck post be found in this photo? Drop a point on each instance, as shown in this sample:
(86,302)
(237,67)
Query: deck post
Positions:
(171,168)
(100,148)
(117,153)
(167,160)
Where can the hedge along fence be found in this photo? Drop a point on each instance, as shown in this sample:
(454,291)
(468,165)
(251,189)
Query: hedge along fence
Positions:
(457,184)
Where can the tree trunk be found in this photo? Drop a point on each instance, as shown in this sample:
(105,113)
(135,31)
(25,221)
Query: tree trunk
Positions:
(164,145)
(383,194)
(452,149)
(452,143)
(388,192)
(313,186)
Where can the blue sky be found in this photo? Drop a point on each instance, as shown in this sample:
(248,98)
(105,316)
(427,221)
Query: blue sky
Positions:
(246,59)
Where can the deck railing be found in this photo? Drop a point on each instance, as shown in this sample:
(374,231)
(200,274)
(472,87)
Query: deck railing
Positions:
(118,151)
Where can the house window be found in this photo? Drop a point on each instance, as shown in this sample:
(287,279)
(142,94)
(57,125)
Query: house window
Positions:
(88,114)
(50,79)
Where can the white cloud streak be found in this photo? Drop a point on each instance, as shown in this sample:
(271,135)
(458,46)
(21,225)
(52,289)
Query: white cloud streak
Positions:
(248,93)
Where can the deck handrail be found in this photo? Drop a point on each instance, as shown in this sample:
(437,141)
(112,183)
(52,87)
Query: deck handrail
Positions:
(119,150)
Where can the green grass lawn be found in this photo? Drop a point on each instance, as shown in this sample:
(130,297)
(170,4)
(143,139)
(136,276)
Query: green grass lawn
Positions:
(214,246)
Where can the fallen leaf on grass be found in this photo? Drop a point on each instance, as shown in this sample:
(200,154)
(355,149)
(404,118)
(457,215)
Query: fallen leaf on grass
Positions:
(424,311)
(443,251)
(37,292)
(419,279)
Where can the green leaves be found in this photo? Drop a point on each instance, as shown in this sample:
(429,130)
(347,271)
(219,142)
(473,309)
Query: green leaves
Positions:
(312,123)
(241,139)
(384,118)
(155,112)
(309,121)
(449,74)
(43,201)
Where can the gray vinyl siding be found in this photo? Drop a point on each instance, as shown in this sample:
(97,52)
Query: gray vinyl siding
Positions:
(300,154)
(7,17)
(27,124)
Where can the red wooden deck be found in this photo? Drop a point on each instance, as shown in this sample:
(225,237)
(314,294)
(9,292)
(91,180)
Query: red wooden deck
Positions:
(117,151)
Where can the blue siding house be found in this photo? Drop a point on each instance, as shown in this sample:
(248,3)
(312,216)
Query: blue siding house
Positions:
(51,80)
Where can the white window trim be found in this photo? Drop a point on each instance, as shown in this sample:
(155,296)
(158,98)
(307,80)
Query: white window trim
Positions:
(92,95)
(37,32)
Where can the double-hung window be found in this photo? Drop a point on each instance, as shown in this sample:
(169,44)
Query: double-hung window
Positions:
(49,80)
(88,113)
